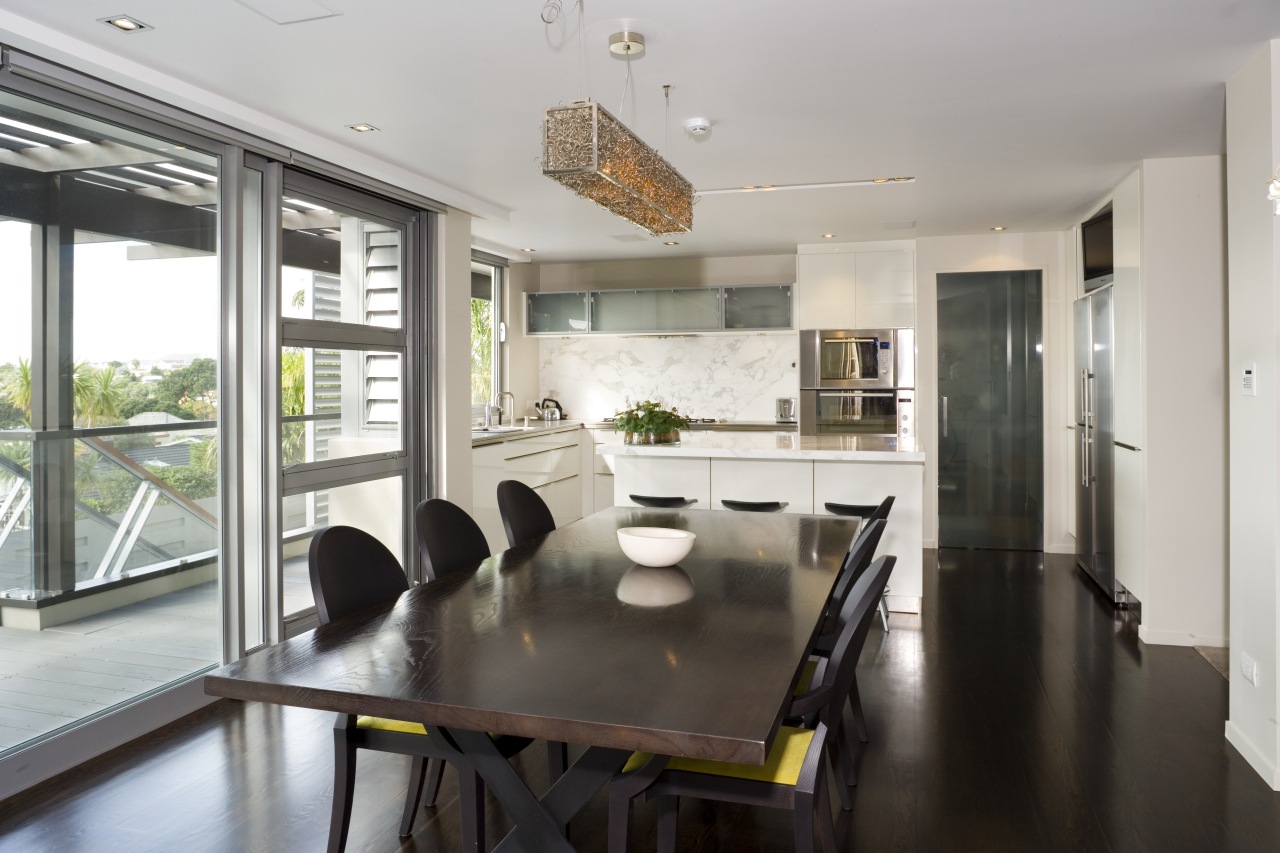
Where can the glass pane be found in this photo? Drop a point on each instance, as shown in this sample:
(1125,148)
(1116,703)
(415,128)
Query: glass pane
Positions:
(339,265)
(375,507)
(126,343)
(481,351)
(338,403)
(623,310)
(990,433)
(687,309)
(557,312)
(760,307)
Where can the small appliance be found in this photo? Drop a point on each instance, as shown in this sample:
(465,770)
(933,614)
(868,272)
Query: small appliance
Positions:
(785,410)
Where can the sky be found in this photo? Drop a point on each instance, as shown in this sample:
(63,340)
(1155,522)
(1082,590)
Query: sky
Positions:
(149,310)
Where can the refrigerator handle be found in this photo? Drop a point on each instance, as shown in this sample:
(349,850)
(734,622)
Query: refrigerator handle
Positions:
(1084,458)
(945,419)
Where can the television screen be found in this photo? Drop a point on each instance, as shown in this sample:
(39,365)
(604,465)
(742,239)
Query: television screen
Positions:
(1095,239)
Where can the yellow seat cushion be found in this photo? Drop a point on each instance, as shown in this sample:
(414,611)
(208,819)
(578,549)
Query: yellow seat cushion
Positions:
(782,768)
(806,676)
(391,725)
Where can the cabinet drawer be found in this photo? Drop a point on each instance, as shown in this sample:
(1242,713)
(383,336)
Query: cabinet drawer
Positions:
(544,466)
(662,477)
(763,480)
(563,498)
(536,443)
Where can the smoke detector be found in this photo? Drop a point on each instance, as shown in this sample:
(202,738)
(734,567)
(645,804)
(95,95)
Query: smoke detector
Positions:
(698,126)
(627,44)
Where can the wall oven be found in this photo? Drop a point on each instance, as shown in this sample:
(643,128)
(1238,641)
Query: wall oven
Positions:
(889,412)
(857,358)
(857,382)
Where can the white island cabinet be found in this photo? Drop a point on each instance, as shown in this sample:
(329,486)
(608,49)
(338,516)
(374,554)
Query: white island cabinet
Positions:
(804,472)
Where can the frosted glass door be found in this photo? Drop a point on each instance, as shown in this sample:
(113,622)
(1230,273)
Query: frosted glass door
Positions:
(990,423)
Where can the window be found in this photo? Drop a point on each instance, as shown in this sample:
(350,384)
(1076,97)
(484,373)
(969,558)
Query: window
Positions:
(344,453)
(488,332)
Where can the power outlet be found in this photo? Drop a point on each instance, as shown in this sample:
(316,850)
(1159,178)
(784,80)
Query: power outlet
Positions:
(1249,669)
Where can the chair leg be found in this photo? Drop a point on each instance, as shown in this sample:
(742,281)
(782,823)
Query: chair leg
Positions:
(344,786)
(417,777)
(471,801)
(557,759)
(841,765)
(668,818)
(826,824)
(855,703)
(802,820)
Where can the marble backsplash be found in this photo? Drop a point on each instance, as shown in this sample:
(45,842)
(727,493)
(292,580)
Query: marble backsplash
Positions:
(735,377)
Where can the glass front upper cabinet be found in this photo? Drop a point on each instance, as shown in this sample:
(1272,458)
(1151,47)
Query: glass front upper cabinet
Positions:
(661,311)
(557,313)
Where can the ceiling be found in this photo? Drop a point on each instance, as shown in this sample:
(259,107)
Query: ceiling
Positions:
(1005,112)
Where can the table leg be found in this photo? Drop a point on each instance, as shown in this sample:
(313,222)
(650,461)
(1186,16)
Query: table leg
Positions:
(539,822)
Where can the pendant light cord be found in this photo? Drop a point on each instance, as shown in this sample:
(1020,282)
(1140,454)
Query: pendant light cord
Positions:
(626,84)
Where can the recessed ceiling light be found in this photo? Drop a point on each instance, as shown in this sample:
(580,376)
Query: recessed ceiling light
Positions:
(997,228)
(528,250)
(827,236)
(361,127)
(879,180)
(126,24)
(670,243)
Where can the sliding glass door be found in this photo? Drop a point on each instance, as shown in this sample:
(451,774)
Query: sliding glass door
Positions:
(110,330)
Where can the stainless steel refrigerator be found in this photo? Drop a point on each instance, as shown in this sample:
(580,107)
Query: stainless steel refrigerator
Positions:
(1095,440)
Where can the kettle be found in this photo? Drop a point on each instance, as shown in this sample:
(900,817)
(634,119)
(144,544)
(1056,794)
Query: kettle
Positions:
(550,409)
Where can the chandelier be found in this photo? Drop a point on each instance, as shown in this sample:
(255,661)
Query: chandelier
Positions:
(594,154)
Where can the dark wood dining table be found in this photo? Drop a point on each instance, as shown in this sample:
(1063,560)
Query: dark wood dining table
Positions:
(536,642)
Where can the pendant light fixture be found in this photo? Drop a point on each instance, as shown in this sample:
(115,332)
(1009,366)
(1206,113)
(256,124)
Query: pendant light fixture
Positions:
(590,151)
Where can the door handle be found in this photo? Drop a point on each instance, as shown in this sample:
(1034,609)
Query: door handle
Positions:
(945,419)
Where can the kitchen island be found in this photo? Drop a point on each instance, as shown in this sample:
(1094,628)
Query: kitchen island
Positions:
(805,472)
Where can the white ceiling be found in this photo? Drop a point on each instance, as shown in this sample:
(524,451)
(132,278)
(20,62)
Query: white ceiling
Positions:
(1007,112)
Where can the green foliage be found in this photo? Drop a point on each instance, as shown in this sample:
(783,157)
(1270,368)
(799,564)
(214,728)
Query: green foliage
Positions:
(293,401)
(649,417)
(481,350)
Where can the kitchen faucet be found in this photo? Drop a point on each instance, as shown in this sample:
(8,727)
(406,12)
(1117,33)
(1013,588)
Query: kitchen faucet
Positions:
(497,401)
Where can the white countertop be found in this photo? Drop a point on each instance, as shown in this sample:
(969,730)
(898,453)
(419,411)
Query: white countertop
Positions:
(773,445)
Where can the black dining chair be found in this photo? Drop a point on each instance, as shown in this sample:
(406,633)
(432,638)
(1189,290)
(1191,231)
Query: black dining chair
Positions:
(449,541)
(352,571)
(754,506)
(661,502)
(525,514)
(868,513)
(794,775)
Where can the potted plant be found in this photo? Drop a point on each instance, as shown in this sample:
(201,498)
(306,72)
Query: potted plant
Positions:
(650,423)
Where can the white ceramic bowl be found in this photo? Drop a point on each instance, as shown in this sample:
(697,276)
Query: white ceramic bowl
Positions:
(655,546)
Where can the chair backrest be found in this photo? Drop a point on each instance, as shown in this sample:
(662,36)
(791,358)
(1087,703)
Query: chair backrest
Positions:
(524,514)
(855,620)
(855,563)
(350,571)
(881,511)
(448,539)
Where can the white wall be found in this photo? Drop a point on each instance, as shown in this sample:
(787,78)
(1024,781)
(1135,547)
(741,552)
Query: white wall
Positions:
(522,353)
(452,414)
(1053,253)
(1185,424)
(1253,261)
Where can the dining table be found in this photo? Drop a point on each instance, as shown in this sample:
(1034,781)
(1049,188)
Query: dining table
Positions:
(565,639)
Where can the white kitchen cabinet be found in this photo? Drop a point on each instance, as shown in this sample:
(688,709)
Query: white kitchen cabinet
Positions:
(824,292)
(857,286)
(884,288)
(870,483)
(785,480)
(549,463)
(602,468)
(671,477)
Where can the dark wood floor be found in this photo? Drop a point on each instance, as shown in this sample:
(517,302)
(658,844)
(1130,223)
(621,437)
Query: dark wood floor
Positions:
(1018,713)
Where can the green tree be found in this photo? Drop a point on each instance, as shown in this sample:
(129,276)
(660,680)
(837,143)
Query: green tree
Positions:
(481,351)
(17,388)
(293,401)
(103,395)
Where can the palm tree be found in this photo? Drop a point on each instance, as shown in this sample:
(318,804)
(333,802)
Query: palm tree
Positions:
(17,389)
(100,395)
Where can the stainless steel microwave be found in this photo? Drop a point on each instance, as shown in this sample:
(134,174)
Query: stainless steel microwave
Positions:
(862,412)
(857,358)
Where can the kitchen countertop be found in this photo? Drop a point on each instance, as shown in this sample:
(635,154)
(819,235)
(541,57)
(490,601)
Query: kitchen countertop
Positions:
(481,437)
(775,445)
(718,426)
